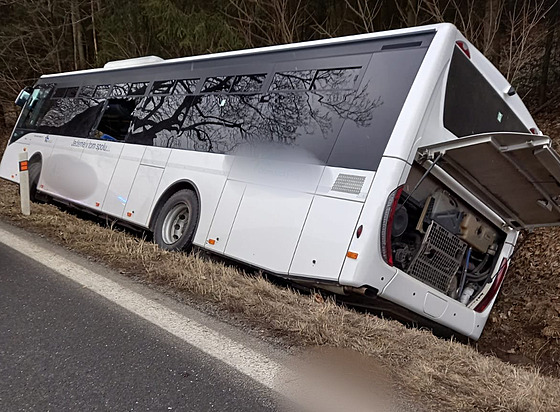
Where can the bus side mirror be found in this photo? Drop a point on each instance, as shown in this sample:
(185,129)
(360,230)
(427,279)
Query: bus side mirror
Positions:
(23,96)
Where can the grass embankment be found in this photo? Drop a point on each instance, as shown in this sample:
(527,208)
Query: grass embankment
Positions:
(440,375)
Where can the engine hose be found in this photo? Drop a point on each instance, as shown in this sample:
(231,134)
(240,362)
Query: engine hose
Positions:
(481,265)
(464,276)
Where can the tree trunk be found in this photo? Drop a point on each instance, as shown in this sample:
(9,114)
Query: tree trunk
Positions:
(2,117)
(94,33)
(79,52)
(549,43)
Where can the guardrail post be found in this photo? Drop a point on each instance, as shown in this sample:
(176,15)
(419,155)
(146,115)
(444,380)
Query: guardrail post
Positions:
(24,183)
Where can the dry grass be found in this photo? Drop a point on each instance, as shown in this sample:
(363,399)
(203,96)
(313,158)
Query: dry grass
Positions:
(440,375)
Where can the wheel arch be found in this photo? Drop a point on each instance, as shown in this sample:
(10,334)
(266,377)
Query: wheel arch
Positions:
(170,191)
(36,157)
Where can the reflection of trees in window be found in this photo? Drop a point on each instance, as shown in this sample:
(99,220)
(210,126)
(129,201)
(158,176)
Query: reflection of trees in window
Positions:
(71,117)
(336,79)
(186,86)
(137,89)
(129,89)
(156,115)
(102,91)
(221,123)
(87,91)
(120,90)
(217,84)
(293,80)
(248,84)
(163,86)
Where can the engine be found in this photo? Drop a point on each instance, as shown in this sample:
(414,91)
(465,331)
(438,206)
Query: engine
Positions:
(438,239)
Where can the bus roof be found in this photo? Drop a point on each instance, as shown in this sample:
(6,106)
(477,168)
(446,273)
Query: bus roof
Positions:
(259,50)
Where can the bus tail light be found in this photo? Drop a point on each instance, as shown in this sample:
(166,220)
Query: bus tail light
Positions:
(494,288)
(464,47)
(387,224)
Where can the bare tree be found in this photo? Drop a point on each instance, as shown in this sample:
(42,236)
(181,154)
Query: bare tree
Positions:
(271,21)
(522,22)
(364,14)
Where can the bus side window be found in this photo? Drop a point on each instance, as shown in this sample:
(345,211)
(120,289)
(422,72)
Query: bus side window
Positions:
(116,119)
(70,117)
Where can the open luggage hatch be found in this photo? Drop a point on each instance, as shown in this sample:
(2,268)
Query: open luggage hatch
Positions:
(517,175)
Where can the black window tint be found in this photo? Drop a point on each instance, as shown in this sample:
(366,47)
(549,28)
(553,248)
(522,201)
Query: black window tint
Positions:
(71,117)
(102,91)
(87,91)
(71,92)
(217,84)
(472,105)
(163,86)
(59,92)
(336,79)
(248,84)
(137,89)
(187,86)
(120,90)
(116,119)
(293,80)
(372,110)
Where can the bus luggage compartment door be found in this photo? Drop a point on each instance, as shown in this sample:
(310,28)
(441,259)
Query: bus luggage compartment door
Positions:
(517,175)
(267,227)
(325,238)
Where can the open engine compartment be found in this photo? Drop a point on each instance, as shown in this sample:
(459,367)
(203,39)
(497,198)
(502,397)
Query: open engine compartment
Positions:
(440,240)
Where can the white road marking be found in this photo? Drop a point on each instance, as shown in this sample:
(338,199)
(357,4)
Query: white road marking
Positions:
(253,364)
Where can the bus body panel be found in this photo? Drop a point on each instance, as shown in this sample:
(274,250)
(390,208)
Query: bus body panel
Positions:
(222,222)
(325,237)
(267,227)
(9,168)
(369,268)
(142,194)
(103,158)
(64,174)
(121,182)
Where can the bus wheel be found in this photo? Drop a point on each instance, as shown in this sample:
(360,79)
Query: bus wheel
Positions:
(176,221)
(34,174)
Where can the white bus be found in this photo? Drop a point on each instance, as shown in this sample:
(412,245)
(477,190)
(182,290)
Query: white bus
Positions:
(399,166)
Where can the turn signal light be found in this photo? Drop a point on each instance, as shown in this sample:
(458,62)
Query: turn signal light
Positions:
(352,255)
(212,241)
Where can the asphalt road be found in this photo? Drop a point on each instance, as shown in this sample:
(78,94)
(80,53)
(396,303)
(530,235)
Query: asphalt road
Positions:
(63,347)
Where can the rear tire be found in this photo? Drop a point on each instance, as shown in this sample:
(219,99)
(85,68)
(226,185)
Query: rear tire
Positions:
(176,221)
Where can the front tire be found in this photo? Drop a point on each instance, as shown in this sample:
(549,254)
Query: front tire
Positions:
(34,174)
(176,221)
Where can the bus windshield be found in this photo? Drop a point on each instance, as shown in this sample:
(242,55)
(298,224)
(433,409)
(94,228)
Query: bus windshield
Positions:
(33,111)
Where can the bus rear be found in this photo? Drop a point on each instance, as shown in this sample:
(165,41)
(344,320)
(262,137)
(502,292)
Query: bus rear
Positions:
(454,196)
